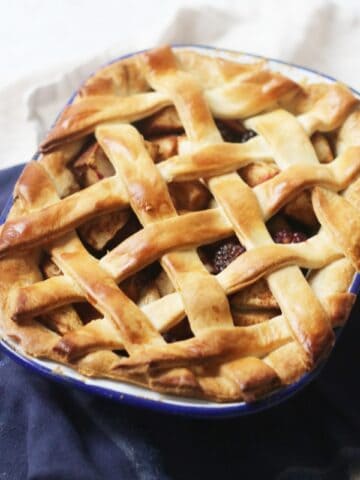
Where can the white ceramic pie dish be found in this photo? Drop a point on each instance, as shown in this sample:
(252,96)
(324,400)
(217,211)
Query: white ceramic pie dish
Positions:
(139,396)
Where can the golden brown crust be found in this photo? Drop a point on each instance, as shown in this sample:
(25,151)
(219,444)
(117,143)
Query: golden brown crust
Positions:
(341,219)
(81,118)
(121,78)
(279,324)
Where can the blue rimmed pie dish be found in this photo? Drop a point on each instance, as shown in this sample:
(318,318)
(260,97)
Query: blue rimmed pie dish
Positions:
(187,237)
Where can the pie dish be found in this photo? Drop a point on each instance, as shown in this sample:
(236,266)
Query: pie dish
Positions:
(191,227)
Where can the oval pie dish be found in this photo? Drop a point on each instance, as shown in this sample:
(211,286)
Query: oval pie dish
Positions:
(275,368)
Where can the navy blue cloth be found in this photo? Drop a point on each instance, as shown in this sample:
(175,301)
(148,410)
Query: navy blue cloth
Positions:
(50,432)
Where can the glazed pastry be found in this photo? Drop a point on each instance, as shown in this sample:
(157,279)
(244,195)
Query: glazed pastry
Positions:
(192,226)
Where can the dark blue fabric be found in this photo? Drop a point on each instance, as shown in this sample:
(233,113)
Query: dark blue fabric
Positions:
(49,432)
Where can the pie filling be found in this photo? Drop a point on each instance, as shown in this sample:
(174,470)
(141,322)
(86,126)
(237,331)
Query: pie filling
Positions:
(162,134)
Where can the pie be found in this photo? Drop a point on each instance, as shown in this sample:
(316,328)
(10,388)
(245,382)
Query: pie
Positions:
(191,226)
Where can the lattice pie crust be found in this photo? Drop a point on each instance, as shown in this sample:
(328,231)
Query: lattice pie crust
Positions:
(163,157)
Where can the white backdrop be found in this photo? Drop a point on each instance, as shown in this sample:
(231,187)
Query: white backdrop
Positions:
(48,47)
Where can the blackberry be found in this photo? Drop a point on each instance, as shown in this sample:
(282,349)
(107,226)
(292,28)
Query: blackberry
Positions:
(234,134)
(226,253)
(285,236)
(246,135)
